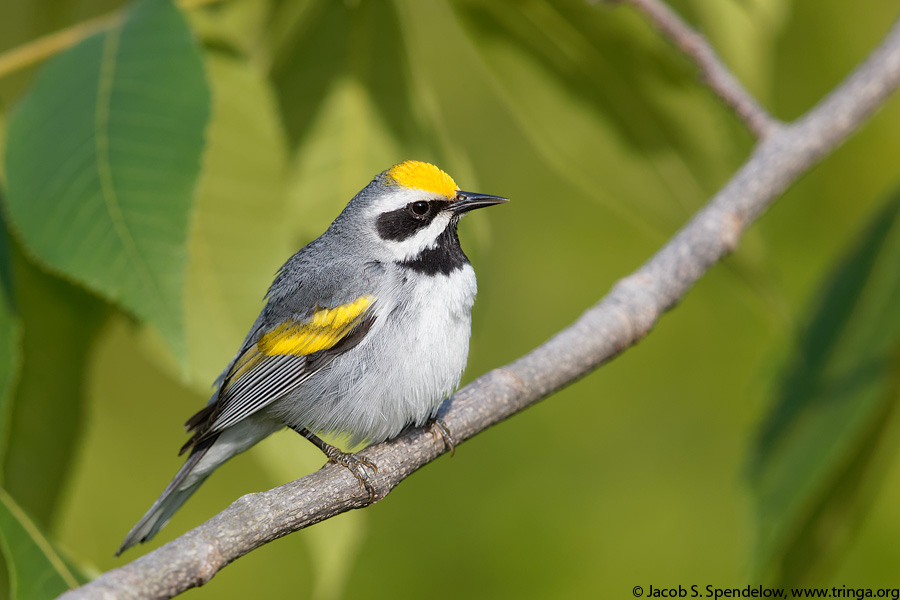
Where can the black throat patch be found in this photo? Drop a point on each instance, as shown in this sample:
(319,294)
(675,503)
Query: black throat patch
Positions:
(445,257)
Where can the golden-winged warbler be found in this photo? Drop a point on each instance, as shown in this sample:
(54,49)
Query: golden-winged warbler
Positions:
(365,332)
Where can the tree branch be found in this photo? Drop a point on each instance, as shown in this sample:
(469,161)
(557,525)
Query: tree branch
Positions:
(713,72)
(621,319)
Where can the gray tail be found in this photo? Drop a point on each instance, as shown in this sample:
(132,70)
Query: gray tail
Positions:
(175,494)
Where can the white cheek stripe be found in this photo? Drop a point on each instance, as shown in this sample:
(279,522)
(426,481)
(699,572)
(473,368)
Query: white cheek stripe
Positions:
(422,240)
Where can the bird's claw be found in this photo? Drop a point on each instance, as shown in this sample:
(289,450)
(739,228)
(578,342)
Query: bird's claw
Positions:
(439,428)
(358,466)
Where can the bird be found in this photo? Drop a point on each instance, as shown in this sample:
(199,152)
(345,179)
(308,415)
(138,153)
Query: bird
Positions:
(364,333)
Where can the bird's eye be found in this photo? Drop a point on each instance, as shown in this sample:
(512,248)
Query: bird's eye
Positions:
(419,208)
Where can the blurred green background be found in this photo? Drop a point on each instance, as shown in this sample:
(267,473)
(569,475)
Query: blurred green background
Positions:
(749,439)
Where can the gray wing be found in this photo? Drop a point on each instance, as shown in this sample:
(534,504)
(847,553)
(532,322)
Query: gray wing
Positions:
(293,338)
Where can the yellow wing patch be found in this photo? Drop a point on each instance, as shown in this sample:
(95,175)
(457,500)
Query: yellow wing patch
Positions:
(322,331)
(423,176)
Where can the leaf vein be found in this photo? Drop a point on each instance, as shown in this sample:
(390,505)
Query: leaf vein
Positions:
(107,185)
(40,541)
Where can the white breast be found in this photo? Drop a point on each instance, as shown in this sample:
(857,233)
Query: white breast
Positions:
(410,361)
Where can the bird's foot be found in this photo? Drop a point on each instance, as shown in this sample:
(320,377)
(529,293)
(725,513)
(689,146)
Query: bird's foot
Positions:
(439,428)
(357,465)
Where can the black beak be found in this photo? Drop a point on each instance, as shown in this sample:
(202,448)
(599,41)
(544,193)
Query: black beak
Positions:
(466,201)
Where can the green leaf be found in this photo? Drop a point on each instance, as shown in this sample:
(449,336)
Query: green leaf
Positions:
(823,450)
(10,336)
(103,156)
(59,324)
(240,236)
(2,148)
(36,570)
(10,331)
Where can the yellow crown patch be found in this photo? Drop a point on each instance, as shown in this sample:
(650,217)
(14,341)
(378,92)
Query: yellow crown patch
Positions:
(423,176)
